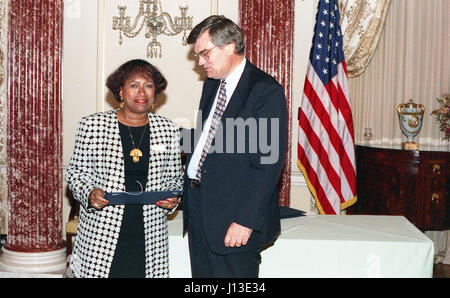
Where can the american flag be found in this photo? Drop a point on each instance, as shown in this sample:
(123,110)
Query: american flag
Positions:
(326,152)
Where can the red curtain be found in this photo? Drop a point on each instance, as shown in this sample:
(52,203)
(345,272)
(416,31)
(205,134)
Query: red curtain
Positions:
(268,27)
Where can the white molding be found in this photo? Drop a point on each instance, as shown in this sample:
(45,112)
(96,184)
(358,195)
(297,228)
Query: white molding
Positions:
(33,262)
(297,179)
(101,31)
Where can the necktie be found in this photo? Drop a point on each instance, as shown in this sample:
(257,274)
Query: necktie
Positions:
(218,112)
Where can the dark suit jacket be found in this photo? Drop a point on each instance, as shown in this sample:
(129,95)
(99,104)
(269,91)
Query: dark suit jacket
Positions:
(237,184)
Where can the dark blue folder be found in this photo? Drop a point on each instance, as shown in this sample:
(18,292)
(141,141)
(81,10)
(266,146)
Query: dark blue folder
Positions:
(140,198)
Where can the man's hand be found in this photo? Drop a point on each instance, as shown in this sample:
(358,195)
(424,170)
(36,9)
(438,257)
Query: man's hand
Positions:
(237,235)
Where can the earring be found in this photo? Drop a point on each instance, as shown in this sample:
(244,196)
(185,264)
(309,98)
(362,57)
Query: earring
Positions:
(121,102)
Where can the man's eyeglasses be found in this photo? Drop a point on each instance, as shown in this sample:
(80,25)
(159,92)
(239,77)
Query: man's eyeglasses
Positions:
(204,54)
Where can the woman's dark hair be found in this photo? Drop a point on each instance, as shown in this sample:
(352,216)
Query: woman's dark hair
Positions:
(117,79)
(222,31)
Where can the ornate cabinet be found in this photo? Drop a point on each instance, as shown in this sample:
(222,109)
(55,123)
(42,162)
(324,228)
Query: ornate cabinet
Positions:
(411,183)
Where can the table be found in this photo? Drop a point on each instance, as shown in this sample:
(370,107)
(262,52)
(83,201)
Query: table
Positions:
(330,246)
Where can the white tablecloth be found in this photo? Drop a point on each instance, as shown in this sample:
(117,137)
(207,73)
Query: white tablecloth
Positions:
(331,246)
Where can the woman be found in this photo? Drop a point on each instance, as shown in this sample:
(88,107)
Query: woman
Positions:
(128,149)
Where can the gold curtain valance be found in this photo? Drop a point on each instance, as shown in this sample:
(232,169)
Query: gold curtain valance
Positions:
(362,22)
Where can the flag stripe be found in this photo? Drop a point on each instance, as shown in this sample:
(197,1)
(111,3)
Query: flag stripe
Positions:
(313,182)
(321,153)
(345,109)
(326,153)
(339,152)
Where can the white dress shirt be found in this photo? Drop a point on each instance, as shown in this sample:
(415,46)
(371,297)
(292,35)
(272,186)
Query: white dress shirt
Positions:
(232,81)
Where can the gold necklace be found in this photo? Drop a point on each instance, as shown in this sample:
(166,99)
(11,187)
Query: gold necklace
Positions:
(136,153)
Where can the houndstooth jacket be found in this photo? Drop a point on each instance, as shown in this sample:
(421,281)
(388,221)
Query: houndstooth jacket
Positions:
(97,161)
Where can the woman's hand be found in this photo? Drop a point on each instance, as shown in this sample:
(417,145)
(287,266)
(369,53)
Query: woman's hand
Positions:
(168,203)
(96,198)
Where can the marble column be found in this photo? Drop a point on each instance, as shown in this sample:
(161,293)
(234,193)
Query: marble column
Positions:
(34,137)
(3,108)
(268,27)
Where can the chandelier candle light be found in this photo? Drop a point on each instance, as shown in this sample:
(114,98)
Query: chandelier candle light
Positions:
(156,22)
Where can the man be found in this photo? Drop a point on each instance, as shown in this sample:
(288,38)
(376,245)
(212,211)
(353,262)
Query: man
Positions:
(230,201)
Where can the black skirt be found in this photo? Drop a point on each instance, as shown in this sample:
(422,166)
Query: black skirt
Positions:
(129,256)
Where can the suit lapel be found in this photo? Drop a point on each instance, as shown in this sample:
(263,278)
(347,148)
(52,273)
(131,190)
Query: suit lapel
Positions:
(236,102)
(240,94)
(155,139)
(114,141)
(237,99)
(207,100)
(159,143)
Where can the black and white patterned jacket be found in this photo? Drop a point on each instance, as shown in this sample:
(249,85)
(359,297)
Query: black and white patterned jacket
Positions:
(97,161)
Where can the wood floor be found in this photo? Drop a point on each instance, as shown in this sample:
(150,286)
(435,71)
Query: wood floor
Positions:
(441,271)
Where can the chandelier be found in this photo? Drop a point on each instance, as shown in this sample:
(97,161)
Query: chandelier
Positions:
(156,22)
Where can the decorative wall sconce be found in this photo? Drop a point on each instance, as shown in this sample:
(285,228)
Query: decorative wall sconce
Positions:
(156,22)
